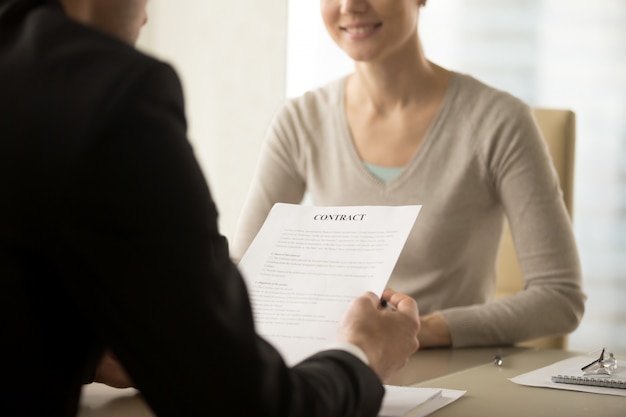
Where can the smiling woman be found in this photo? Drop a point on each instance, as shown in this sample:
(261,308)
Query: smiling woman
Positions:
(532,49)
(470,153)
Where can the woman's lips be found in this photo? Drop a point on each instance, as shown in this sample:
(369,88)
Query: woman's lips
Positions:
(360,30)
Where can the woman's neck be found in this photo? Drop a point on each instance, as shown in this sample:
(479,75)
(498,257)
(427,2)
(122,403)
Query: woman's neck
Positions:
(401,80)
(384,91)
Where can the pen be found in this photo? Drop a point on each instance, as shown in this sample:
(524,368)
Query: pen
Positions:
(384,304)
(497,360)
(600,359)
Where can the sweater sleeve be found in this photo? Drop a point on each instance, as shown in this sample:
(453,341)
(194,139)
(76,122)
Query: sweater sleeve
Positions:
(521,172)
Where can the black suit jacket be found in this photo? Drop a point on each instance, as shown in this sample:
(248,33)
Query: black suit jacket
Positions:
(109,239)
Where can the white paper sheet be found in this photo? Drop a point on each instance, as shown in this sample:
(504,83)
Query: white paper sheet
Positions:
(414,401)
(308,263)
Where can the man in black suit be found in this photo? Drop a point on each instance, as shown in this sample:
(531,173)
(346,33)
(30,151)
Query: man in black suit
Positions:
(109,241)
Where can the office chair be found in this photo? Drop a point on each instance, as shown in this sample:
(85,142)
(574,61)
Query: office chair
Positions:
(559,131)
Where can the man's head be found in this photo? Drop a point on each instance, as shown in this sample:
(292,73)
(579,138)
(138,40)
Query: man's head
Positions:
(122,19)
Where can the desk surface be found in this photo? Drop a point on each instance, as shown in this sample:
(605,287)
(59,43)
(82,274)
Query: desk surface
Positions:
(489,391)
(428,364)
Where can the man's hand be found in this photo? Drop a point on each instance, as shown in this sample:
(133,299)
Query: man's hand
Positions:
(388,336)
(111,372)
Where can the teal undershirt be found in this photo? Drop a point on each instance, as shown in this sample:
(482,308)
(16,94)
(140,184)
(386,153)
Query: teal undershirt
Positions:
(385,174)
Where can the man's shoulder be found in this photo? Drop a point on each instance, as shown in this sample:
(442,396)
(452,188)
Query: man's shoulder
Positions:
(49,63)
(43,37)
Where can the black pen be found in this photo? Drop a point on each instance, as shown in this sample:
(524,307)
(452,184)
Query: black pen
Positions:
(600,359)
(384,304)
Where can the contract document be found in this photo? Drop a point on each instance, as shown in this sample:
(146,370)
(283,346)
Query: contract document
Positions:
(308,263)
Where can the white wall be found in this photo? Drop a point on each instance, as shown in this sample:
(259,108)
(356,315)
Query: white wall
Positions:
(230,56)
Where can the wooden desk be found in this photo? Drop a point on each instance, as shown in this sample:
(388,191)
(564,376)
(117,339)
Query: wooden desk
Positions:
(489,391)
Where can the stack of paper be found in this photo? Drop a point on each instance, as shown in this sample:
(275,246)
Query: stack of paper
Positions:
(415,402)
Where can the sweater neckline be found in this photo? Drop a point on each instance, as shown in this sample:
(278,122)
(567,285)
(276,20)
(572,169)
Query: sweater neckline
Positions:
(421,152)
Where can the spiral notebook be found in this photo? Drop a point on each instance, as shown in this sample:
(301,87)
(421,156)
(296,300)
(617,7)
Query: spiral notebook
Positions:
(617,379)
(602,372)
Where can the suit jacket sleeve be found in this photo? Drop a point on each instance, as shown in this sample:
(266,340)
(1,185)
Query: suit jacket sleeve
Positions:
(153,273)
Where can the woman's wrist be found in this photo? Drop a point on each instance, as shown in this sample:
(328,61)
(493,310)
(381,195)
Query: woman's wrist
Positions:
(434,331)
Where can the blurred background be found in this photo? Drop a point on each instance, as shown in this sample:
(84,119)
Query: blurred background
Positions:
(239,61)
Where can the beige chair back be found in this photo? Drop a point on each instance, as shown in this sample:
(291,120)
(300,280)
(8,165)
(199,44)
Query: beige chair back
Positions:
(559,131)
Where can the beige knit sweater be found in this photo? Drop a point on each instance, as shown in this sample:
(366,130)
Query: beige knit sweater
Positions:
(482,159)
